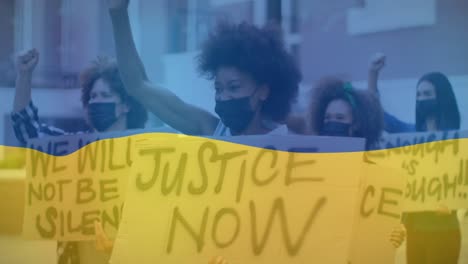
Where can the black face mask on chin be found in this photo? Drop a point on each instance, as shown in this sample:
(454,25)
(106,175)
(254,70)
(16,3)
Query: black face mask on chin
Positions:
(102,115)
(335,129)
(236,114)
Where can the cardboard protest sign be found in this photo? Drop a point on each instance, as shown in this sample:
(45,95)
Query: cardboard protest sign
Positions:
(189,199)
(436,166)
(71,183)
(300,143)
(378,212)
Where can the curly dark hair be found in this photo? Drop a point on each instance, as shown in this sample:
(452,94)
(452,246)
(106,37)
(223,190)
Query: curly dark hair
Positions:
(448,115)
(106,69)
(260,53)
(367,111)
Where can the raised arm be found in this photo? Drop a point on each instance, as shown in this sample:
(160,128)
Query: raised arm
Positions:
(376,64)
(391,123)
(25,64)
(25,117)
(160,101)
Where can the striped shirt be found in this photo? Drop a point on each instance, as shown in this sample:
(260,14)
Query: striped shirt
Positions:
(26,125)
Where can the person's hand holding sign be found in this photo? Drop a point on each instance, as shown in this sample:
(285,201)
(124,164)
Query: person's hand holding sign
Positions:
(397,236)
(218,260)
(103,243)
(443,210)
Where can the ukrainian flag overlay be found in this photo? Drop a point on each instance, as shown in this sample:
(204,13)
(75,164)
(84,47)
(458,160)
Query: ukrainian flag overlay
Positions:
(171,198)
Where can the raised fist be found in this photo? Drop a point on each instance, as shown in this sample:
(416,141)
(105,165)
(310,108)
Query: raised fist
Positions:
(377,62)
(27,61)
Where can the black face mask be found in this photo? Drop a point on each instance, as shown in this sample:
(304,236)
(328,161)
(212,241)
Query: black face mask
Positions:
(335,129)
(426,107)
(235,113)
(102,115)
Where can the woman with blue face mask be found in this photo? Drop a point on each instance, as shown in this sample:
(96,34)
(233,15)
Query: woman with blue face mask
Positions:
(255,80)
(434,236)
(107,108)
(338,109)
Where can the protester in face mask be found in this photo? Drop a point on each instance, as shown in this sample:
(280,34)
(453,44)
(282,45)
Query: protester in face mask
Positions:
(255,80)
(338,109)
(434,236)
(105,100)
(436,105)
(108,108)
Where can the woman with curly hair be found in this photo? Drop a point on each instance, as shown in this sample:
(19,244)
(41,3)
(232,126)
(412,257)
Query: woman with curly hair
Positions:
(106,104)
(255,80)
(338,109)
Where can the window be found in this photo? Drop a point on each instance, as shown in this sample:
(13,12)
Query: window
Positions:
(7,31)
(177,15)
(47,37)
(38,24)
(274,11)
(234,11)
(203,22)
(68,35)
(379,15)
(295,19)
(190,21)
(287,14)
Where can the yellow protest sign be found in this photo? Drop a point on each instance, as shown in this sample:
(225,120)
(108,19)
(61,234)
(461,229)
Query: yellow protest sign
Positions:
(377,214)
(189,199)
(435,165)
(66,191)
